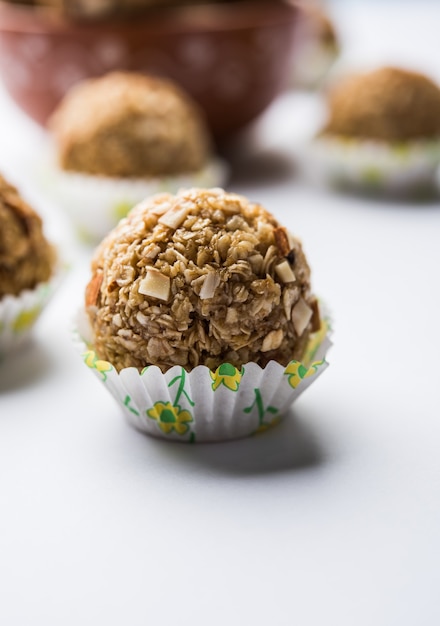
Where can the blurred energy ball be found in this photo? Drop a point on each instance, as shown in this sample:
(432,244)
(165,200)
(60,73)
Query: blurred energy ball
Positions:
(233,58)
(317,46)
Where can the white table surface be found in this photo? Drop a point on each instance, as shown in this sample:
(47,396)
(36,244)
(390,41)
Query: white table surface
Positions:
(333,518)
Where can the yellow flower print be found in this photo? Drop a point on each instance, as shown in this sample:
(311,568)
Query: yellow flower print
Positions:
(314,367)
(92,361)
(227,375)
(266,425)
(170,417)
(315,341)
(296,372)
(372,176)
(25,319)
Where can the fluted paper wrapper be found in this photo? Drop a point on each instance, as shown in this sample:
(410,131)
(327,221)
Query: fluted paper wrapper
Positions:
(203,405)
(18,314)
(376,167)
(95,204)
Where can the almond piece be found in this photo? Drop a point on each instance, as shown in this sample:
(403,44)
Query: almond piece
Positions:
(316,316)
(281,240)
(301,316)
(155,284)
(92,289)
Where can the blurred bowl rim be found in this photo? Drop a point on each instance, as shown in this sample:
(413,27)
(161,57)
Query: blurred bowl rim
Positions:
(203,18)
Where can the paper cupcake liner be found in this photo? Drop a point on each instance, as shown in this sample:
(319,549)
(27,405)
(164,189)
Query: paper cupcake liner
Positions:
(376,166)
(95,204)
(18,314)
(202,405)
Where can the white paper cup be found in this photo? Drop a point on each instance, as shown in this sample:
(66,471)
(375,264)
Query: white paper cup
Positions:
(18,314)
(95,204)
(374,166)
(201,405)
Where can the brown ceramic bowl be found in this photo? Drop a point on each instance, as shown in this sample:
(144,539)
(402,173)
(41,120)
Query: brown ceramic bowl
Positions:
(232,58)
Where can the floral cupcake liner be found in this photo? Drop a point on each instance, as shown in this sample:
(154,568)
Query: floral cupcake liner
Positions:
(95,204)
(18,314)
(374,166)
(202,405)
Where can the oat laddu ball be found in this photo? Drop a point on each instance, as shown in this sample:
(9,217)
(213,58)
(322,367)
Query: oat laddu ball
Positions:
(388,104)
(130,125)
(26,257)
(203,277)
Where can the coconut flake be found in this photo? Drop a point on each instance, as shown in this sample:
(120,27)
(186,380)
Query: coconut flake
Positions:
(301,316)
(272,340)
(117,320)
(174,217)
(155,284)
(285,272)
(291,239)
(231,316)
(210,284)
(158,209)
(153,251)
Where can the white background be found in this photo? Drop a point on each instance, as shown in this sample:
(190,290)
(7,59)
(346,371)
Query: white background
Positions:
(333,518)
